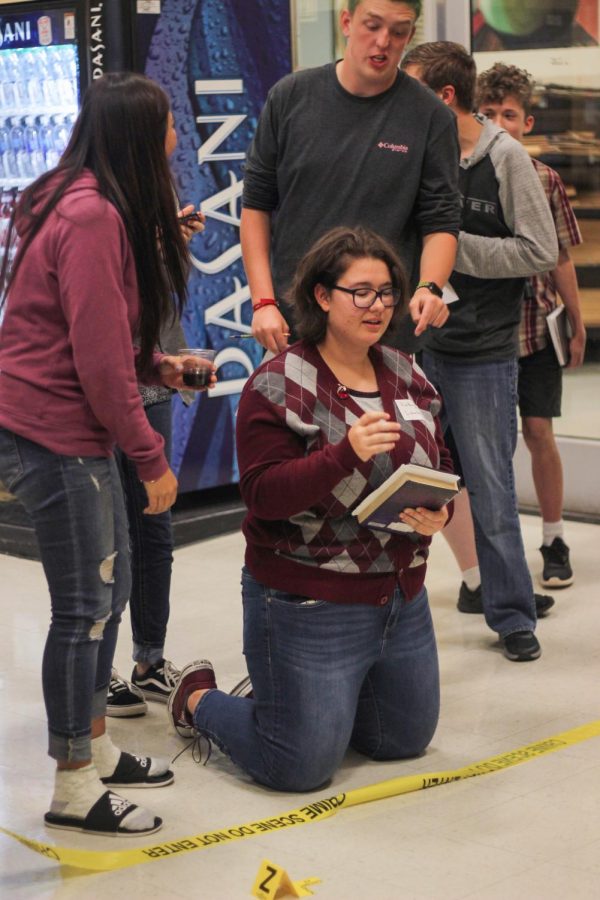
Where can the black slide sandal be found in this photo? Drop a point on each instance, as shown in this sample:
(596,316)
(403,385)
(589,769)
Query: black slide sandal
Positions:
(104,818)
(132,771)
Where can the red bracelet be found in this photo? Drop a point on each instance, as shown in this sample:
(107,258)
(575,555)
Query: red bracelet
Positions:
(264,301)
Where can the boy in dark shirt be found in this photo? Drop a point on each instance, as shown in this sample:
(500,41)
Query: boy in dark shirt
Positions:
(352,143)
(506,234)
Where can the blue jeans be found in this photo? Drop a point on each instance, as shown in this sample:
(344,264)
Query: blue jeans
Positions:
(480,406)
(326,676)
(76,505)
(151,542)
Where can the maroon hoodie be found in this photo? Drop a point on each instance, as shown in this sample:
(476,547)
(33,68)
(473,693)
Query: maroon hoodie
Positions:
(67,372)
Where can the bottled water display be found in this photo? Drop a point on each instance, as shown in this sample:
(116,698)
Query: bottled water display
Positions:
(38,106)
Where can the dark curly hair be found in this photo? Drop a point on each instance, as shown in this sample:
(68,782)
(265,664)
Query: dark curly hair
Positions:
(502,81)
(326,262)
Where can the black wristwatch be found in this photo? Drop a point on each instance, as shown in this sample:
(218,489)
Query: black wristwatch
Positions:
(431,286)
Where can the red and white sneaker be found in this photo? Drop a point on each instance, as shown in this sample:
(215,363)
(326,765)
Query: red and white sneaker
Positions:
(196,676)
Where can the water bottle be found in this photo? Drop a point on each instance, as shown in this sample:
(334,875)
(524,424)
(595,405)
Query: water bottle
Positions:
(17,141)
(20,83)
(33,79)
(4,138)
(71,64)
(9,159)
(64,81)
(60,133)
(46,77)
(46,138)
(34,148)
(8,78)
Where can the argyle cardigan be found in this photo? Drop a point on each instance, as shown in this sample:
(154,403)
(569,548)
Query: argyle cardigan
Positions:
(301,479)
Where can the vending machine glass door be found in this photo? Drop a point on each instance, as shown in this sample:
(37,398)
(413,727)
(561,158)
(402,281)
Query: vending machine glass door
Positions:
(40,88)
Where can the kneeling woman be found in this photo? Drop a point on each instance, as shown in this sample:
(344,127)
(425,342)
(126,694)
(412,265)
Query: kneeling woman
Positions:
(338,635)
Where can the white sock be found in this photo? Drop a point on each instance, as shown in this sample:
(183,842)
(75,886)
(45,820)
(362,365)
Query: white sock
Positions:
(551,530)
(76,791)
(106,758)
(472,578)
(105,755)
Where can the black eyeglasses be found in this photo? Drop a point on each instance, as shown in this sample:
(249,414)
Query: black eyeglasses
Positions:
(364,298)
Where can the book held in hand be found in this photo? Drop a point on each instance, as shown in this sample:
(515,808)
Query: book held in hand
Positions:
(560,333)
(409,486)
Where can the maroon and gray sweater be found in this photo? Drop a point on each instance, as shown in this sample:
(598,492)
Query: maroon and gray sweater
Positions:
(301,479)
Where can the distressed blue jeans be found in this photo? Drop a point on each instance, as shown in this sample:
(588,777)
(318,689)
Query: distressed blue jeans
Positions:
(480,406)
(326,676)
(151,541)
(76,506)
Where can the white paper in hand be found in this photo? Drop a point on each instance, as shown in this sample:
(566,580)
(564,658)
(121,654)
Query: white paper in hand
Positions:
(449,295)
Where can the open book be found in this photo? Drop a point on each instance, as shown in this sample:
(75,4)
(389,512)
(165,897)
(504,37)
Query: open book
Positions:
(560,333)
(409,486)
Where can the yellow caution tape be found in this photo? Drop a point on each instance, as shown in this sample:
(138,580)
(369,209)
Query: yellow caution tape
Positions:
(272,881)
(100,860)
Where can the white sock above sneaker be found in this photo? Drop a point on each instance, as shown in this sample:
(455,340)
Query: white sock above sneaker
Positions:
(551,530)
(106,758)
(472,578)
(76,791)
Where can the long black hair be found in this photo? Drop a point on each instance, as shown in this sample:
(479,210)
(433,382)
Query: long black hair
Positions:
(120,136)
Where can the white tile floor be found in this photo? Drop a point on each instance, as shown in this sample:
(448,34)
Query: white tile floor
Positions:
(532,831)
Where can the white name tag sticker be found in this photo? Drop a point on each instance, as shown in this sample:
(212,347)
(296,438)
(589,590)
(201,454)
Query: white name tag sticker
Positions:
(410,412)
(449,295)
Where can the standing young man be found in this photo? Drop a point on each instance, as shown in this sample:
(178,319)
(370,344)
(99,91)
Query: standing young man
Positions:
(504,96)
(506,234)
(356,142)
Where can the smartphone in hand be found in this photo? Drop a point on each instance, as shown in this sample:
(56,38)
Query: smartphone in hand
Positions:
(190,217)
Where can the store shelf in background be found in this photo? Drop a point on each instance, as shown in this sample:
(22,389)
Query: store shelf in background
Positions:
(566,144)
(587,263)
(586,205)
(587,254)
(590,307)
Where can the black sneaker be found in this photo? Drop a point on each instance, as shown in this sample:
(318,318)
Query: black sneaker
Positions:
(557,568)
(521,646)
(470,601)
(158,682)
(124,700)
